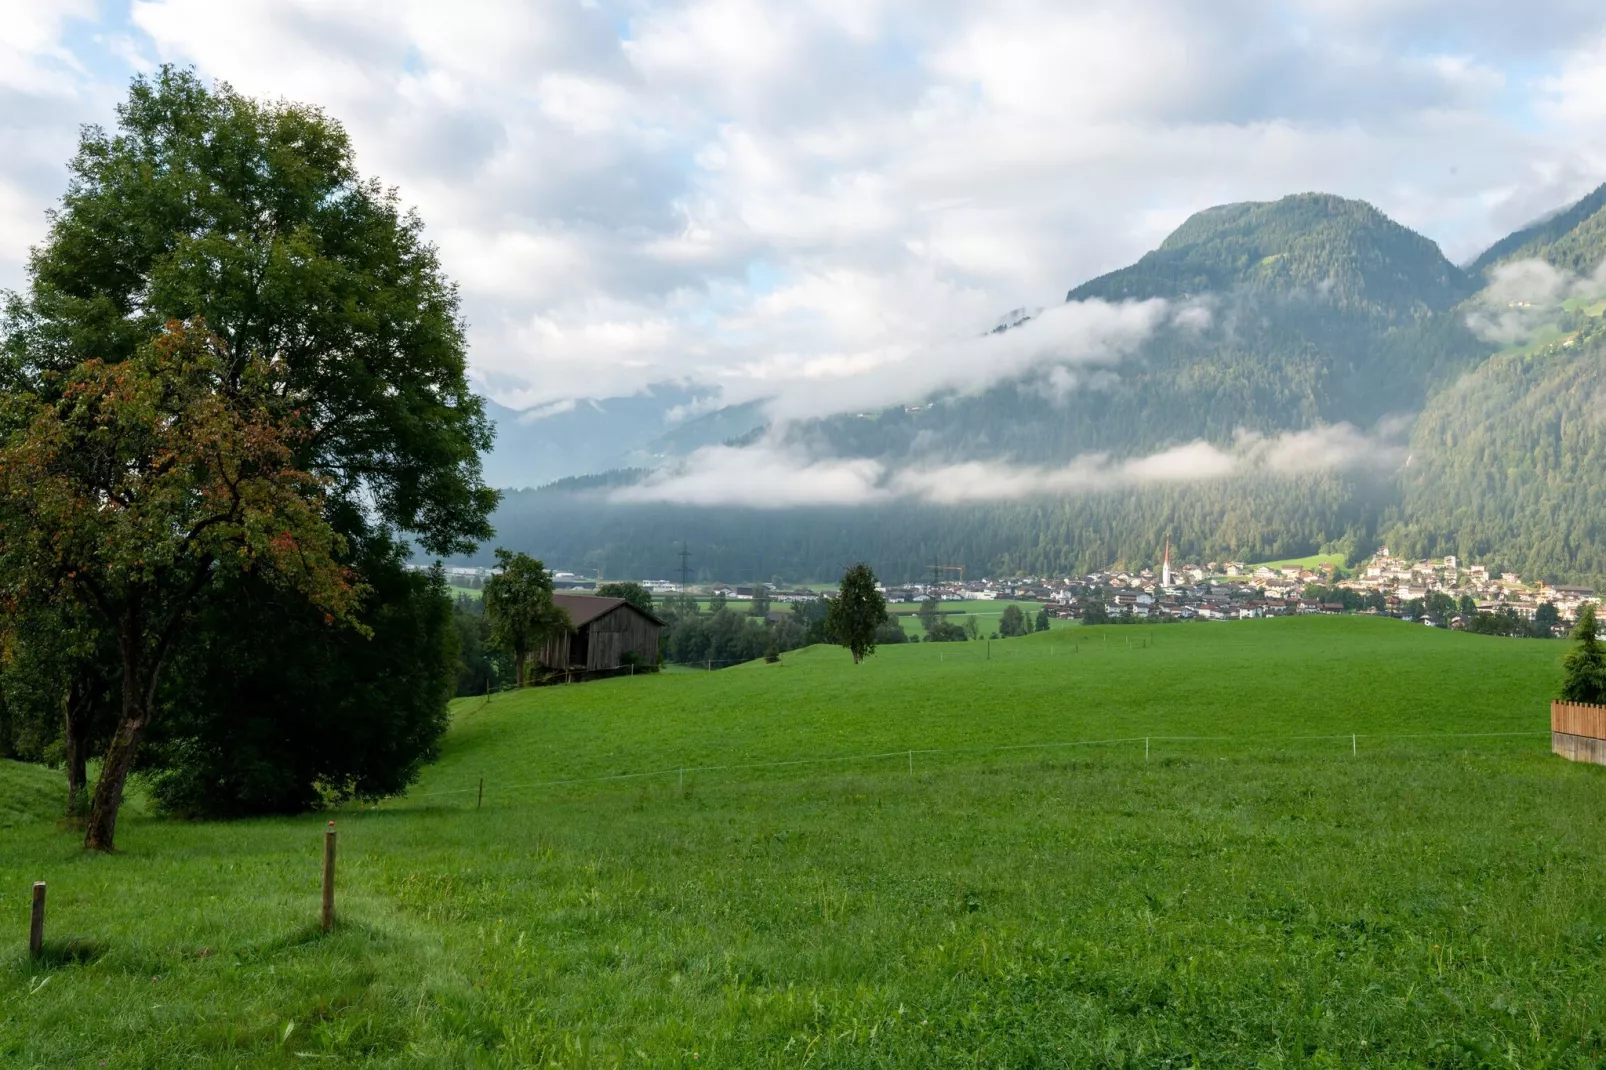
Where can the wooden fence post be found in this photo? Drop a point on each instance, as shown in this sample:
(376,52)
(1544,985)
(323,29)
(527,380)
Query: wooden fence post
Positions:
(329,877)
(481,801)
(36,926)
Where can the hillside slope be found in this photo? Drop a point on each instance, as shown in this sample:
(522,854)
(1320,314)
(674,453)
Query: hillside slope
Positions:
(932,858)
(1509,464)
(29,794)
(1572,239)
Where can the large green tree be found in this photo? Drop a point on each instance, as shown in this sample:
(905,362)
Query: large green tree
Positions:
(136,486)
(203,203)
(252,216)
(520,608)
(858,609)
(313,713)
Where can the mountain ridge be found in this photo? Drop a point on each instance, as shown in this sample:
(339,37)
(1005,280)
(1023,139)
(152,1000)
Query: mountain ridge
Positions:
(1565,239)
(1347,250)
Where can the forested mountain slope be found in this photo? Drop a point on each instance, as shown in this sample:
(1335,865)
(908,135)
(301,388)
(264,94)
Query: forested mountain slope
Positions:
(1572,239)
(1320,311)
(1510,463)
(1339,253)
(1259,518)
(1310,310)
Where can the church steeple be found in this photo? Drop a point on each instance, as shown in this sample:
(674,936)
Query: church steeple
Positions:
(1165,569)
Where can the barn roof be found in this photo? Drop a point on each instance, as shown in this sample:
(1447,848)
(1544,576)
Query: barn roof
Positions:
(585,608)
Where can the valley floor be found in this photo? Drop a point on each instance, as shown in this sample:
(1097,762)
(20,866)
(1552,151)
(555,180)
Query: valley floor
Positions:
(1314,841)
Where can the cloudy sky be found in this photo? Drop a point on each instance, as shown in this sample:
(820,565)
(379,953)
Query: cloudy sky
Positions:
(766,196)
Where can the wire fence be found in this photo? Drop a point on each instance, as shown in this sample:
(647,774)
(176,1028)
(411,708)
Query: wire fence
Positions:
(909,755)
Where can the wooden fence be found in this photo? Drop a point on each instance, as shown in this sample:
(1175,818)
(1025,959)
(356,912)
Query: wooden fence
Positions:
(1578,731)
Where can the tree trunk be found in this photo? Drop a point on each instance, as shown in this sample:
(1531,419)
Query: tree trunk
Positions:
(7,747)
(101,830)
(77,708)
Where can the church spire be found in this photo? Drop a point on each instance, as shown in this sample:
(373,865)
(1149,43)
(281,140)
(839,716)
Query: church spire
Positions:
(1165,569)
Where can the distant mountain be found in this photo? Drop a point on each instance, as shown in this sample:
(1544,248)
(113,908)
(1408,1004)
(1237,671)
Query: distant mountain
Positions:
(1343,254)
(540,445)
(1573,239)
(1320,311)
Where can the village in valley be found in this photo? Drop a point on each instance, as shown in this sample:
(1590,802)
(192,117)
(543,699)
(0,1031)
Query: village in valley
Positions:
(1444,592)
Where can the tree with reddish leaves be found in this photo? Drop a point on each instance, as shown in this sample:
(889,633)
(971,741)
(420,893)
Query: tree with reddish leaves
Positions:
(129,488)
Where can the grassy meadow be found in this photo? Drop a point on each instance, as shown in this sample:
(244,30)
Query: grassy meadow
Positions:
(986,611)
(1344,843)
(1314,561)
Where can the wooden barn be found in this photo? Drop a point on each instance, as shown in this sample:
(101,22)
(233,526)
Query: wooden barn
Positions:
(605,631)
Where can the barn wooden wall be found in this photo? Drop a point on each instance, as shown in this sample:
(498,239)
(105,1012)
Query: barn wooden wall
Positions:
(613,635)
(620,632)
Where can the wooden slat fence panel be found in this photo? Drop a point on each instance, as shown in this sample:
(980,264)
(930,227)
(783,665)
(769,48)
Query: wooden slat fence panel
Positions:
(1578,719)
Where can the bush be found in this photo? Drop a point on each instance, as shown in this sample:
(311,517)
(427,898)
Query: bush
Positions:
(890,632)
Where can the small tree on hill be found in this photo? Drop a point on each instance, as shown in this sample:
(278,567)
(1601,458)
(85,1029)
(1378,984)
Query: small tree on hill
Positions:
(1012,623)
(930,612)
(136,487)
(1094,610)
(1041,624)
(519,606)
(856,612)
(1585,663)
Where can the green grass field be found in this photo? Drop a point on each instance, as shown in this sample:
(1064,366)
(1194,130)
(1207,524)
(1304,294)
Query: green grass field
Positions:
(987,612)
(1259,891)
(1314,561)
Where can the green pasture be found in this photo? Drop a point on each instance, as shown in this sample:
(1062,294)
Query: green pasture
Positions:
(1305,842)
(1314,561)
(986,611)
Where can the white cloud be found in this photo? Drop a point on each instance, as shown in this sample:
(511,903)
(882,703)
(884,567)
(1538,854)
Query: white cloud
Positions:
(903,370)
(772,473)
(1524,297)
(808,198)
(1333,446)
(763,476)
